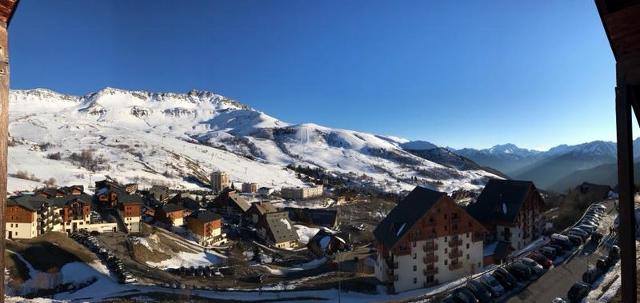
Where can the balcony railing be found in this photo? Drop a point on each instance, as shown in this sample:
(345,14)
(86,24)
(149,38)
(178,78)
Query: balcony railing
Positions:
(455,242)
(455,254)
(430,259)
(430,272)
(430,247)
(454,266)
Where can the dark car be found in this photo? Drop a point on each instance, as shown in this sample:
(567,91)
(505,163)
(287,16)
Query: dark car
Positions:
(549,252)
(520,271)
(602,264)
(449,299)
(576,240)
(578,291)
(505,278)
(541,259)
(464,295)
(480,291)
(614,252)
(591,275)
(596,237)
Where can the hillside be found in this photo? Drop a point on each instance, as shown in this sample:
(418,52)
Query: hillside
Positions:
(178,139)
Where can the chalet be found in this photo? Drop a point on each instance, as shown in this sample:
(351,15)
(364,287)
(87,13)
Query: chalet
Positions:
(258,210)
(190,205)
(425,240)
(130,210)
(21,219)
(510,210)
(171,213)
(597,191)
(75,211)
(276,230)
(326,243)
(206,227)
(230,203)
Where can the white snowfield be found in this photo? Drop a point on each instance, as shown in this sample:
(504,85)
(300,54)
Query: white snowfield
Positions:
(174,139)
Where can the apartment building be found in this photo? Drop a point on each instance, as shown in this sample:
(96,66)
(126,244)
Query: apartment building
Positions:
(206,226)
(219,181)
(301,193)
(249,188)
(427,239)
(510,210)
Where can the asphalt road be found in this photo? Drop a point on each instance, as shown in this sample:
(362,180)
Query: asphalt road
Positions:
(557,281)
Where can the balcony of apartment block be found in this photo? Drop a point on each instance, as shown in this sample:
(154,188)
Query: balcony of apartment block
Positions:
(454,266)
(455,242)
(430,271)
(430,259)
(429,247)
(456,253)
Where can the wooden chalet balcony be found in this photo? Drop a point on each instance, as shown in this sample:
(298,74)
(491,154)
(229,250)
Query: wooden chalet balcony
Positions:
(429,247)
(430,259)
(456,253)
(430,272)
(455,242)
(454,266)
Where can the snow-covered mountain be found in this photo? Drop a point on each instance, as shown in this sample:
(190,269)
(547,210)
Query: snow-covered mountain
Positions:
(178,139)
(558,168)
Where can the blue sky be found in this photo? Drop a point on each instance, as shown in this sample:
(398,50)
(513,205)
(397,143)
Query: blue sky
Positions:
(533,73)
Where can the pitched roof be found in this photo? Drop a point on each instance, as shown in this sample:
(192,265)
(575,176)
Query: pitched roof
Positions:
(125,198)
(31,202)
(205,216)
(264,207)
(171,207)
(405,214)
(280,228)
(240,201)
(65,200)
(500,200)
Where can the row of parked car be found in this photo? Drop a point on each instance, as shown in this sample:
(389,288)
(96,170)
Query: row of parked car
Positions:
(113,262)
(201,271)
(491,286)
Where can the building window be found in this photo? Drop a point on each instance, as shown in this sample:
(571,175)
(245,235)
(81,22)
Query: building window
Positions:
(467,256)
(467,245)
(415,280)
(429,279)
(445,250)
(415,256)
(415,268)
(445,238)
(468,235)
(445,261)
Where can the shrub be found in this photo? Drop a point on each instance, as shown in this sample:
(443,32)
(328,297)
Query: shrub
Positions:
(55,156)
(22,174)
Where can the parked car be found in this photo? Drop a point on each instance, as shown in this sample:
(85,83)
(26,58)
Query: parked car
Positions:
(540,259)
(520,271)
(578,291)
(505,279)
(480,291)
(464,295)
(549,252)
(587,228)
(449,299)
(591,275)
(575,240)
(493,285)
(537,269)
(614,252)
(602,264)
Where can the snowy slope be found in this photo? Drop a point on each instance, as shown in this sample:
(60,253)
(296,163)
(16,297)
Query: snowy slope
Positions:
(178,139)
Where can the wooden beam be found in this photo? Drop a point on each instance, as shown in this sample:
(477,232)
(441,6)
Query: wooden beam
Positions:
(626,229)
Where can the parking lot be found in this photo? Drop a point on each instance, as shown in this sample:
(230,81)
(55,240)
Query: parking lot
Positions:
(558,281)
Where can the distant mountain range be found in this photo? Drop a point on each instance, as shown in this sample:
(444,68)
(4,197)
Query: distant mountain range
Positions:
(558,168)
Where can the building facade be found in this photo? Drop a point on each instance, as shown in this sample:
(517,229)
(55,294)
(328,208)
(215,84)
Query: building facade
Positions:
(427,239)
(301,193)
(219,181)
(249,188)
(206,227)
(511,211)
